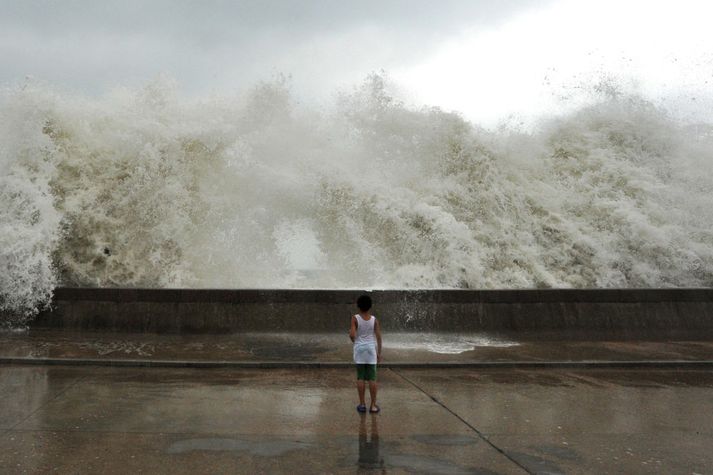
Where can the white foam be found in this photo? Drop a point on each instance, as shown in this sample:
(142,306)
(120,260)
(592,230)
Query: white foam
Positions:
(443,343)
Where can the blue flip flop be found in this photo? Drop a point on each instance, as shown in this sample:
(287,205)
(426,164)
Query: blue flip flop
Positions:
(375,411)
(361,408)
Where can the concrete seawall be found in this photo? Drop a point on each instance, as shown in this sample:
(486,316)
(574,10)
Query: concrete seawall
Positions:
(558,313)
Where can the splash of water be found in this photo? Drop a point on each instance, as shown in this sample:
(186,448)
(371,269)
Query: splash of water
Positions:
(143,188)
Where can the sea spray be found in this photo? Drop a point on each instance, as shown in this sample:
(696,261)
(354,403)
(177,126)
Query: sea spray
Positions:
(29,220)
(144,188)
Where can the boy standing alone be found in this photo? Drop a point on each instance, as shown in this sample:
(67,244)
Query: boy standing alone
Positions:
(365,332)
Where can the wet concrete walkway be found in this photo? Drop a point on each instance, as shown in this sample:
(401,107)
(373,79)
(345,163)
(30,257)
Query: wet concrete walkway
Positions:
(399,348)
(157,420)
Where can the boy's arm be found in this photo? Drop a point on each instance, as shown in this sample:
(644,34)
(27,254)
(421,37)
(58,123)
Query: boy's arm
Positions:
(352,330)
(377,332)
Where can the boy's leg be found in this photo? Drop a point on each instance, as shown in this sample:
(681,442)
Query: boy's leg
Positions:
(372,393)
(371,376)
(361,386)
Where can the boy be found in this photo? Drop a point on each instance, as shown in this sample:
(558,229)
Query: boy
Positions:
(365,332)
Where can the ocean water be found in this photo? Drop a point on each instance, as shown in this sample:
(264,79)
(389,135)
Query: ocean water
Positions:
(146,188)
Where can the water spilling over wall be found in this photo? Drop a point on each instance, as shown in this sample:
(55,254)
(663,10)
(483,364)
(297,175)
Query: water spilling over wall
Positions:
(143,188)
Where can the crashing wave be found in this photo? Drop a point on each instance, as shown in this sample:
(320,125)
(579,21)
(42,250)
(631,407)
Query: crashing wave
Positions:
(143,188)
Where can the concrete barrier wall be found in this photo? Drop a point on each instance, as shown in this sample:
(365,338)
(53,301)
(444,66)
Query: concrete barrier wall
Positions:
(555,313)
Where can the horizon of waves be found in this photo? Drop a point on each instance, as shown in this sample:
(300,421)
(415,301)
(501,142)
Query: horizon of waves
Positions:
(142,188)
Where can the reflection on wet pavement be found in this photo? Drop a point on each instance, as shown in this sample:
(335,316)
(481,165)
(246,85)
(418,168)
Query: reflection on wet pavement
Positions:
(131,420)
(369,457)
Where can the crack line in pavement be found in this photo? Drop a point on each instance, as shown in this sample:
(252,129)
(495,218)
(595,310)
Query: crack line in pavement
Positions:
(473,428)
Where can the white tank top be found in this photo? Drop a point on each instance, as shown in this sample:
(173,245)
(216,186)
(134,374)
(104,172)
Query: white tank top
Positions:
(365,341)
(365,330)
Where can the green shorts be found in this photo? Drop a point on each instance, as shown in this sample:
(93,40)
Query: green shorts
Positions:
(366,372)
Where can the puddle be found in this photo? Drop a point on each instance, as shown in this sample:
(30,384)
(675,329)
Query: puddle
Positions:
(420,463)
(263,448)
(445,440)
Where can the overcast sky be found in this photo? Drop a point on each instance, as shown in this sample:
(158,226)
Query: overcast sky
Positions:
(487,59)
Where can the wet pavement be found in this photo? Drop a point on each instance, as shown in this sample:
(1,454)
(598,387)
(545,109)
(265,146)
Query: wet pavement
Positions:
(157,420)
(399,348)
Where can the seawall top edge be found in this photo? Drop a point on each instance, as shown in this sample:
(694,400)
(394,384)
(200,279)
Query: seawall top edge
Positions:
(382,296)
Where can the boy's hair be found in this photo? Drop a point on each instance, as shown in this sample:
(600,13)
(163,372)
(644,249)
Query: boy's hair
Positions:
(364,303)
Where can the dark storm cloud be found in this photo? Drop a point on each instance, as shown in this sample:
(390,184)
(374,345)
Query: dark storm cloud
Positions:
(206,44)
